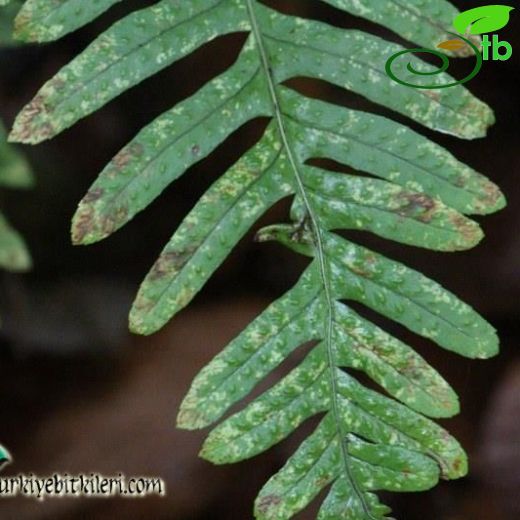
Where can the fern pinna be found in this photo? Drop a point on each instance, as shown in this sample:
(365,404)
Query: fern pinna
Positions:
(365,441)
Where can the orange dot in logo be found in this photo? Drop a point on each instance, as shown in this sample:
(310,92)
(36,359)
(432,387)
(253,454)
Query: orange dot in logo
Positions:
(452,45)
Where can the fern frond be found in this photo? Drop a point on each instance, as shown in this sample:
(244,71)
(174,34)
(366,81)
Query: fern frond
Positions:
(366,441)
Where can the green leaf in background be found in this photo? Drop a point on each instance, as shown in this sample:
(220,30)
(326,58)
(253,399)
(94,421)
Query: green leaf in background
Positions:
(14,255)
(403,187)
(14,173)
(14,169)
(8,10)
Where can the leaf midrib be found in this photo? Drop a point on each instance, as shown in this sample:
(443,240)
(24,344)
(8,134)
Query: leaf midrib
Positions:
(319,255)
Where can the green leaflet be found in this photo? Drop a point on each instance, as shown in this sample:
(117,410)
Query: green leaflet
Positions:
(262,346)
(350,202)
(386,149)
(133,49)
(169,146)
(7,15)
(366,441)
(208,234)
(392,364)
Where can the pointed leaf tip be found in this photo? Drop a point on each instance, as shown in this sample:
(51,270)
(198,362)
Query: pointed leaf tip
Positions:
(33,124)
(87,228)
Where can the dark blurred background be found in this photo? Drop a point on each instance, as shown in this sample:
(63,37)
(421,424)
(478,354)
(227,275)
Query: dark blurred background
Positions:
(78,393)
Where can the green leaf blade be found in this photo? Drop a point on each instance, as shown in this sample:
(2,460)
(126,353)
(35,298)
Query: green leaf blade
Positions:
(392,364)
(386,149)
(274,415)
(344,201)
(166,148)
(313,466)
(210,231)
(367,440)
(286,324)
(132,50)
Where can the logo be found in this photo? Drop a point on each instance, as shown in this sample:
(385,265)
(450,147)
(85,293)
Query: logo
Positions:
(89,485)
(5,457)
(469,24)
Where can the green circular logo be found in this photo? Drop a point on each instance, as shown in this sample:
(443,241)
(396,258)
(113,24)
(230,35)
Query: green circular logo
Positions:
(441,69)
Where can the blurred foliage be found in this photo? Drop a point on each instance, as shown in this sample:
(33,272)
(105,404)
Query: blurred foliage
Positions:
(7,16)
(14,173)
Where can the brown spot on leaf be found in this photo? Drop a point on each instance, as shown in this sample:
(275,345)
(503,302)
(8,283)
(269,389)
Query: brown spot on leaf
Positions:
(457,465)
(360,271)
(27,129)
(190,419)
(467,228)
(90,226)
(21,21)
(411,370)
(128,153)
(433,94)
(82,224)
(268,502)
(417,206)
(323,481)
(93,195)
(114,221)
(492,197)
(460,181)
(57,83)
(171,262)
